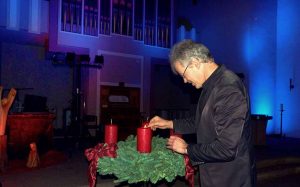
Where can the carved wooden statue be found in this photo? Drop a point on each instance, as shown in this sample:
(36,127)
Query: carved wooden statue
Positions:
(5,104)
(33,158)
(4,108)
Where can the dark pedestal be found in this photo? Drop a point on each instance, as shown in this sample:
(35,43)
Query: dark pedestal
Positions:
(259,126)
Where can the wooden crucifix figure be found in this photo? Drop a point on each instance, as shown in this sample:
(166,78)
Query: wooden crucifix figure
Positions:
(4,108)
(5,104)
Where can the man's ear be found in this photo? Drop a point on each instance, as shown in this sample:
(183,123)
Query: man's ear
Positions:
(195,62)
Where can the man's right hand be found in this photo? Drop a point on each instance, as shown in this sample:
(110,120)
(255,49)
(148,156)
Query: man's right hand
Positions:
(158,122)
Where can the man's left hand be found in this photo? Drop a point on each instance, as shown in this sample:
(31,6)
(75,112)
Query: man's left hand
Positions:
(177,144)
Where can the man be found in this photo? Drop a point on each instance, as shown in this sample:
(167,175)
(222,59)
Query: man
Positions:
(224,149)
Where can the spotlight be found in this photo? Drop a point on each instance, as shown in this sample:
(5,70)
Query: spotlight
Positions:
(84,58)
(99,59)
(70,58)
(59,57)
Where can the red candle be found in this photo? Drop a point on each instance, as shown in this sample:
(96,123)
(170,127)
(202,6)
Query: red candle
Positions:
(172,133)
(144,139)
(111,133)
(145,124)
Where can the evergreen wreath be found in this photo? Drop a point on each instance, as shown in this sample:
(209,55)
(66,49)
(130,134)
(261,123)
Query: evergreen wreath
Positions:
(134,167)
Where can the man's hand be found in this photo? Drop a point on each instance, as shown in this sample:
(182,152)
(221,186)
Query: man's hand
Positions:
(177,144)
(158,122)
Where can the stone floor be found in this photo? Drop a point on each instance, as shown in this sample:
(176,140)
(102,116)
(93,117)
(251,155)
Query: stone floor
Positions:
(280,154)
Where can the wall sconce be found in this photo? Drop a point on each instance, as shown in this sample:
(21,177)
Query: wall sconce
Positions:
(291,84)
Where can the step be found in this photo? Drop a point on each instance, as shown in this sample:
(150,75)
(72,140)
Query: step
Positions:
(276,168)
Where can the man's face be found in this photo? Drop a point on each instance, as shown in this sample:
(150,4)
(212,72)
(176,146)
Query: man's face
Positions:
(191,73)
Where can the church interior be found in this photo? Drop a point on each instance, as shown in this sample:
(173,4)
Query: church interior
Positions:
(72,70)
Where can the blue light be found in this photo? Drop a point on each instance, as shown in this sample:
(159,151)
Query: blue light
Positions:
(13,14)
(34,16)
(258,55)
(270,50)
(287,63)
(286,21)
(253,44)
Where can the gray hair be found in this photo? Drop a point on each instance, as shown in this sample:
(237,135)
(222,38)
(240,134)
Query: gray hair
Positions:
(183,51)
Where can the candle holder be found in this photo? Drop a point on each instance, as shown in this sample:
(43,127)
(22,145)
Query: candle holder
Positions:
(143,169)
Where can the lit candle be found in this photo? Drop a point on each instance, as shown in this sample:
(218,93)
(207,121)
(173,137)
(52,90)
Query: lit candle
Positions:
(144,138)
(111,133)
(172,133)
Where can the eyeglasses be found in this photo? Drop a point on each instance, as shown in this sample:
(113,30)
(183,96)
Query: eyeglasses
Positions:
(185,70)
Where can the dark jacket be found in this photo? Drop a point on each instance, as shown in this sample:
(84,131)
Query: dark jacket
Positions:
(222,124)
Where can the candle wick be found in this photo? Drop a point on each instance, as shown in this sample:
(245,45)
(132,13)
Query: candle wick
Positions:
(110,121)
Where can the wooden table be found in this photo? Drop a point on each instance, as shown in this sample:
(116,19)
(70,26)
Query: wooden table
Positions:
(25,128)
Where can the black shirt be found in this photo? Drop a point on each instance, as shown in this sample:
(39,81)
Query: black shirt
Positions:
(222,124)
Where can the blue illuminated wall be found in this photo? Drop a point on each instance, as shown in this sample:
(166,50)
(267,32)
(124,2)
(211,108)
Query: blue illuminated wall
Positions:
(259,53)
(260,39)
(241,35)
(288,31)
